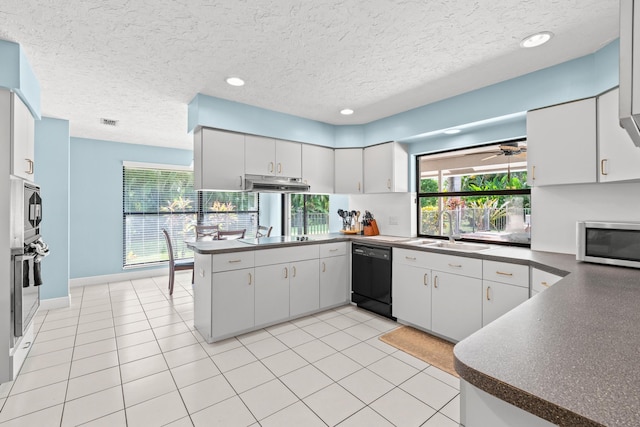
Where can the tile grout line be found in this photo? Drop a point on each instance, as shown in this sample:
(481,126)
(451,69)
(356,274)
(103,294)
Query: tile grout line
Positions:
(185,318)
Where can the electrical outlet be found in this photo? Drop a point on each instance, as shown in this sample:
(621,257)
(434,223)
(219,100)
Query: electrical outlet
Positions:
(393,220)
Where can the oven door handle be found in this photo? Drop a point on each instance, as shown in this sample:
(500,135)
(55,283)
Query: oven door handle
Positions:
(25,257)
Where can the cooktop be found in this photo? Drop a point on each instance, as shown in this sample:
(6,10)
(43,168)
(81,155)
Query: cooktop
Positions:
(279,239)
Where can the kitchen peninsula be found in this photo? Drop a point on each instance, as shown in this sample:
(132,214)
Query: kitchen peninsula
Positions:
(248,284)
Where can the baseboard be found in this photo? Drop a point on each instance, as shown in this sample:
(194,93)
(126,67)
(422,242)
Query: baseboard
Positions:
(118,277)
(53,303)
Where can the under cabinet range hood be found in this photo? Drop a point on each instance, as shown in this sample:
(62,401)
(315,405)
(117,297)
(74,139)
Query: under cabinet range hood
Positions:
(630,68)
(273,184)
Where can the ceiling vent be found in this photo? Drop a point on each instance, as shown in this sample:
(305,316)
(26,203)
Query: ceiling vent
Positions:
(109,122)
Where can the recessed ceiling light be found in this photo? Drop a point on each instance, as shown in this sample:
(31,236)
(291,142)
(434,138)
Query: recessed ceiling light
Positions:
(235,81)
(536,39)
(452,131)
(346,112)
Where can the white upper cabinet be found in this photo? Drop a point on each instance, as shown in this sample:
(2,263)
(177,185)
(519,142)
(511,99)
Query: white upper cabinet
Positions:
(318,168)
(561,144)
(22,136)
(260,155)
(268,156)
(386,168)
(218,160)
(619,156)
(288,159)
(348,171)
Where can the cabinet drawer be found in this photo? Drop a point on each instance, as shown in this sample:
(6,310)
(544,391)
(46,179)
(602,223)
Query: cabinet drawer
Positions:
(409,257)
(333,249)
(232,261)
(541,280)
(471,267)
(504,272)
(286,255)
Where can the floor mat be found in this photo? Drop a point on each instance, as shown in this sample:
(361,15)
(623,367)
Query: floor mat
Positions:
(431,349)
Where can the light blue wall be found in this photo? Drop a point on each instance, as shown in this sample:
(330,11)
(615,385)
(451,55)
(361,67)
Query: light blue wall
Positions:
(96,200)
(582,77)
(349,136)
(16,74)
(223,114)
(51,172)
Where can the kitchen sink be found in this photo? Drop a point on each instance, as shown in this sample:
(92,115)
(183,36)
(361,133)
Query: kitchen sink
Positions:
(421,242)
(459,246)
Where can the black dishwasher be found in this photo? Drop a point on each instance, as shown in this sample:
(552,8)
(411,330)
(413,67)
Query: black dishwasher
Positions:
(371,278)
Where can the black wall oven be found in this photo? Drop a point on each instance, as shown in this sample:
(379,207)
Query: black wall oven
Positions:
(371,278)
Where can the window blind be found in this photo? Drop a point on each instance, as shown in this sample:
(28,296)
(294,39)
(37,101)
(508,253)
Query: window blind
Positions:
(154,199)
(231,211)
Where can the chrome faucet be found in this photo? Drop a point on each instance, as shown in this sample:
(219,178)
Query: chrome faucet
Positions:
(452,237)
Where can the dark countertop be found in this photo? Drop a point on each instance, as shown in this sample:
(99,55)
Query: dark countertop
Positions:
(566,355)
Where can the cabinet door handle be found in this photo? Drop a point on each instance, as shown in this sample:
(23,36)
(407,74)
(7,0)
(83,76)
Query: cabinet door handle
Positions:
(488,298)
(270,167)
(240,183)
(201,272)
(389,184)
(410,258)
(250,279)
(333,250)
(324,267)
(234,261)
(455,265)
(435,282)
(545,284)
(602,163)
(30,170)
(294,271)
(286,273)
(504,274)
(358,185)
(426,279)
(279,167)
(26,345)
(533,173)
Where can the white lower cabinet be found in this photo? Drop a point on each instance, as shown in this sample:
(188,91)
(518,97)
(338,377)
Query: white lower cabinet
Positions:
(272,293)
(499,298)
(233,302)
(304,287)
(223,294)
(448,303)
(504,287)
(456,305)
(334,274)
(286,290)
(411,291)
(541,280)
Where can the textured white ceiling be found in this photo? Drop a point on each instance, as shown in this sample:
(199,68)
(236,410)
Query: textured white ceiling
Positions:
(142,61)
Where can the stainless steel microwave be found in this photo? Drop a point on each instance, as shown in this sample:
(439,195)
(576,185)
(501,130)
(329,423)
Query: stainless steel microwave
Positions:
(613,243)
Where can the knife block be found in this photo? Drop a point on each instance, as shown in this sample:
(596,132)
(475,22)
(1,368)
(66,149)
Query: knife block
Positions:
(371,229)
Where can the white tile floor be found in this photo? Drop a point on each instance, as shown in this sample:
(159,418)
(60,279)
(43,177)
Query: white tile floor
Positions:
(126,354)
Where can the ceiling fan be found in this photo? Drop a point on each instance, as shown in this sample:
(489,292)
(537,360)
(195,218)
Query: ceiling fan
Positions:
(508,149)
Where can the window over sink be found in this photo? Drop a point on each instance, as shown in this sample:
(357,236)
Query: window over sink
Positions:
(476,194)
